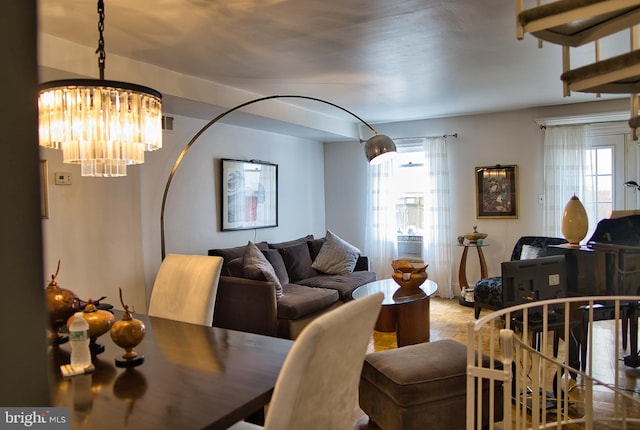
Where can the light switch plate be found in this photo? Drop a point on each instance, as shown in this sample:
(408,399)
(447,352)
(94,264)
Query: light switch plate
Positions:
(63,178)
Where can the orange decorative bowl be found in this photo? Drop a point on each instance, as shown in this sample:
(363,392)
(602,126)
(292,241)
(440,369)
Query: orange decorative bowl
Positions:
(409,275)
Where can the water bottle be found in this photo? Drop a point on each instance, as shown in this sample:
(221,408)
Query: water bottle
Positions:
(79,339)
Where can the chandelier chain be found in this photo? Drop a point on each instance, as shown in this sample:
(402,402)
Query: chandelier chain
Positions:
(100,51)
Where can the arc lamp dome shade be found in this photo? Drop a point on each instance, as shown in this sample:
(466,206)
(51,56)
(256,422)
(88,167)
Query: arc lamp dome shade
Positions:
(379,148)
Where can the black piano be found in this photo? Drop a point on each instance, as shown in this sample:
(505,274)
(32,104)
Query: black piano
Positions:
(609,265)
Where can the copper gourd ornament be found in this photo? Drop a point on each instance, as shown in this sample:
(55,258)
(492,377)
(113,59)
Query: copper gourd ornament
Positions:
(61,305)
(127,334)
(100,322)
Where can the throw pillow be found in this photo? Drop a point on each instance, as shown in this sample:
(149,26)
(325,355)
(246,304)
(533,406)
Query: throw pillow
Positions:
(274,257)
(530,252)
(235,268)
(298,262)
(256,266)
(229,254)
(337,256)
(314,246)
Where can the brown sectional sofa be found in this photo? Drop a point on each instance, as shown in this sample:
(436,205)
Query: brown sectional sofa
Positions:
(252,305)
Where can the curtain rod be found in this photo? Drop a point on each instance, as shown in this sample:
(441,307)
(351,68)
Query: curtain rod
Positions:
(455,135)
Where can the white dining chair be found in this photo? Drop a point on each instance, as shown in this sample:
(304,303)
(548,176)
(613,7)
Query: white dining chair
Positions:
(317,387)
(185,288)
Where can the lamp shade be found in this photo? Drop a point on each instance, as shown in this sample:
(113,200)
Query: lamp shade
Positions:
(378,148)
(575,223)
(102,125)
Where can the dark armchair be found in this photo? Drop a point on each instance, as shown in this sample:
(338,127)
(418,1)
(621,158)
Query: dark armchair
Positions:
(488,292)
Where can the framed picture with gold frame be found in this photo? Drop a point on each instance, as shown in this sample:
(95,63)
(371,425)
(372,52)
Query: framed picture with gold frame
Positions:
(497,191)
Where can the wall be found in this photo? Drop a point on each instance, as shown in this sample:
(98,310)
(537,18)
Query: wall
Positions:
(106,232)
(24,365)
(483,140)
(192,214)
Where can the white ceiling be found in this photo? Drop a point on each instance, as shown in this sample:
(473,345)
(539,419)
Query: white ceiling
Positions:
(385,60)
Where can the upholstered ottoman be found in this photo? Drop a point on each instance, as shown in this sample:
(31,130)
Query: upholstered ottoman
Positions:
(420,387)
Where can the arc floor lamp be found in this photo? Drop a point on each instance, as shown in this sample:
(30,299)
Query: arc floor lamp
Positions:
(376,148)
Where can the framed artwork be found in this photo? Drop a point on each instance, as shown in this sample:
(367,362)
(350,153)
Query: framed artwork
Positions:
(44,189)
(249,194)
(497,191)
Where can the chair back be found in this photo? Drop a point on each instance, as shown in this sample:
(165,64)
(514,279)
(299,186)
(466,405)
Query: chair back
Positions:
(185,288)
(318,384)
(535,241)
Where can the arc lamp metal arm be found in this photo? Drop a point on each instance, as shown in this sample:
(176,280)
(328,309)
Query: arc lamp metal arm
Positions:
(377,145)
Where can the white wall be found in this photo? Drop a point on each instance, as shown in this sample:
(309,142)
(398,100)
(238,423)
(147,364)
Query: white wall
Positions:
(106,232)
(483,140)
(94,230)
(192,222)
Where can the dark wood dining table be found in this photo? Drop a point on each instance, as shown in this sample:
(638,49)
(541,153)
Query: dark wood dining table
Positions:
(192,377)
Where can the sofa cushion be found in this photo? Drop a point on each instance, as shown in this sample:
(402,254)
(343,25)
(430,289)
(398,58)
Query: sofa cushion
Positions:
(337,256)
(298,261)
(256,266)
(274,257)
(235,269)
(343,284)
(314,246)
(229,254)
(299,301)
(279,245)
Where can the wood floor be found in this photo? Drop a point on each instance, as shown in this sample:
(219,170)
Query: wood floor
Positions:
(449,321)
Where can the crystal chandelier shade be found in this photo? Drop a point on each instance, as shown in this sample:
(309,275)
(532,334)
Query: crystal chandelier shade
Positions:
(102,125)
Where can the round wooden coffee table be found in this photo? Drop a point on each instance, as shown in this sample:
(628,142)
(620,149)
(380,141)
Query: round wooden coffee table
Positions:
(405,313)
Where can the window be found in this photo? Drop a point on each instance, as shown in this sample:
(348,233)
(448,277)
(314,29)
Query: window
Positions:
(592,161)
(599,180)
(411,176)
(611,161)
(409,198)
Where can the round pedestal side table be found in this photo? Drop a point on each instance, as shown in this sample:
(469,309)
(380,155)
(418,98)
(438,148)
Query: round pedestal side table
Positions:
(405,312)
(462,272)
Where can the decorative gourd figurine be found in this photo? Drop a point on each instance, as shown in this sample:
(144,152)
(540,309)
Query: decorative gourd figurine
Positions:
(409,275)
(100,322)
(61,305)
(127,334)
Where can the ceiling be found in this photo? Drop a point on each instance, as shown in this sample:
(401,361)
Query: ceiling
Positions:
(386,60)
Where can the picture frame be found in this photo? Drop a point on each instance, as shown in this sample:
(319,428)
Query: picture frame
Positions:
(44,189)
(497,191)
(249,197)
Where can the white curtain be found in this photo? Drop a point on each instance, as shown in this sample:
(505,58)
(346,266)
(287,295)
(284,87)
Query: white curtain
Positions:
(437,236)
(382,228)
(381,231)
(566,163)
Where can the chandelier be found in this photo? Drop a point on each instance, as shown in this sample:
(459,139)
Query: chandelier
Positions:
(100,124)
